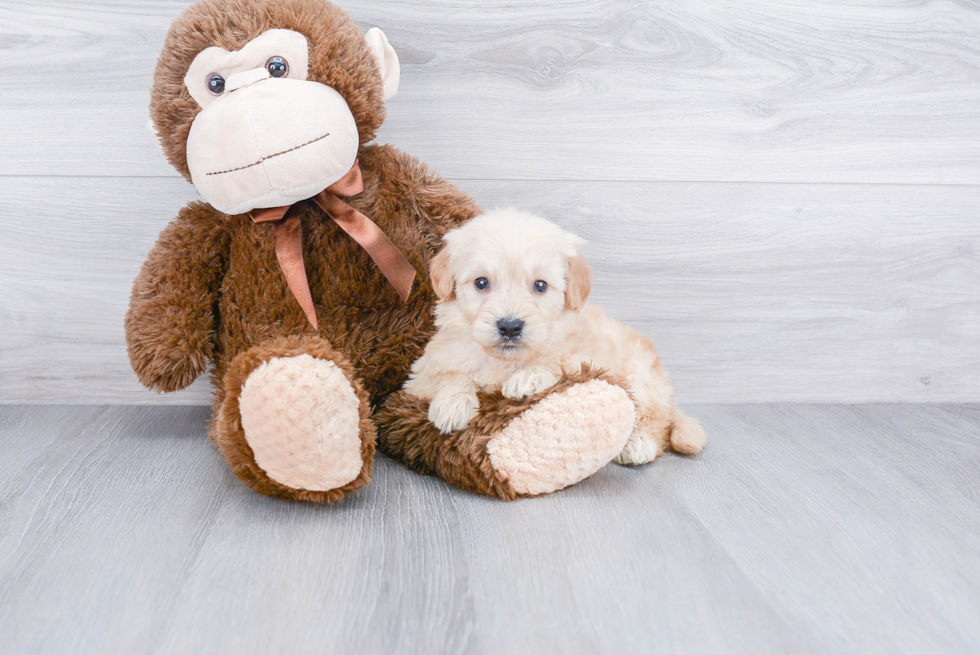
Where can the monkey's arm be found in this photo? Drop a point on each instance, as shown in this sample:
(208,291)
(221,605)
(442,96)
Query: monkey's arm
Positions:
(171,319)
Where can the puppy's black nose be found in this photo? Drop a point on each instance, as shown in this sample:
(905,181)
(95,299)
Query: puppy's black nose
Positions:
(510,328)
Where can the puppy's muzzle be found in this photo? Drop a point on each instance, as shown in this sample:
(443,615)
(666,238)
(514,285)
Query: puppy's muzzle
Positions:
(510,328)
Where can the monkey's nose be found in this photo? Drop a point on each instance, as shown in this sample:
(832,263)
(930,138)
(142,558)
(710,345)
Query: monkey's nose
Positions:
(245,78)
(510,328)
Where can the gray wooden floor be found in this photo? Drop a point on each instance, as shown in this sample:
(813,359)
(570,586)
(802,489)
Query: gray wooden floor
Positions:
(801,529)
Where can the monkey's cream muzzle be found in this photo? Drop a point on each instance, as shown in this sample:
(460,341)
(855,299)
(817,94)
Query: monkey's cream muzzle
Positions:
(269,143)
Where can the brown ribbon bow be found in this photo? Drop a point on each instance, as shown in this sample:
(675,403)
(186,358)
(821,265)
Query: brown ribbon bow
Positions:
(289,240)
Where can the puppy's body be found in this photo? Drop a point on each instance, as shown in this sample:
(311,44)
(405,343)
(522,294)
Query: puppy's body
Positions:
(512,317)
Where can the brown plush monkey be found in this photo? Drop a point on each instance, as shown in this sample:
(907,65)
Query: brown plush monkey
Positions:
(295,281)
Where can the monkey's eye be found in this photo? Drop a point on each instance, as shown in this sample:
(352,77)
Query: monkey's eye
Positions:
(277,67)
(216,84)
(481,283)
(540,286)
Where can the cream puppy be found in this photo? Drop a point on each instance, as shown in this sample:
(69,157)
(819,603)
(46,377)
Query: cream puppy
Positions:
(512,316)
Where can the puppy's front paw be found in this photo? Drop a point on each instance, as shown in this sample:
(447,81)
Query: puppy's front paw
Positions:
(453,411)
(528,382)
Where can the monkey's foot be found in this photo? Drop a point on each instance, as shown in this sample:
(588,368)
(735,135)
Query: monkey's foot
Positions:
(302,430)
(516,448)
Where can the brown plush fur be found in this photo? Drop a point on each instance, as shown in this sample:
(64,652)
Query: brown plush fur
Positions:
(228,435)
(461,458)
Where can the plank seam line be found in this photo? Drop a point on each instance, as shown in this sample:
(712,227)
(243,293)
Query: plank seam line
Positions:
(555,181)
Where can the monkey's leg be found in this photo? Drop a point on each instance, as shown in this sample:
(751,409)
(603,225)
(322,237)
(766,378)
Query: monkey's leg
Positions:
(294,422)
(515,448)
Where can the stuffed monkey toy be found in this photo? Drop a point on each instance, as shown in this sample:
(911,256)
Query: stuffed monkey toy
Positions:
(303,281)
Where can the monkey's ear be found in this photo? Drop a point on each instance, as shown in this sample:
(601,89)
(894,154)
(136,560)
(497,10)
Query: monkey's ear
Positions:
(442,278)
(387,60)
(156,135)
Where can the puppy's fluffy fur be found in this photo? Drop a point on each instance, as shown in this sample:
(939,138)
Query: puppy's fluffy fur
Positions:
(512,316)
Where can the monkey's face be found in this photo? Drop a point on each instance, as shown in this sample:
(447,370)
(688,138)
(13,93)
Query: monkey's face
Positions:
(266,135)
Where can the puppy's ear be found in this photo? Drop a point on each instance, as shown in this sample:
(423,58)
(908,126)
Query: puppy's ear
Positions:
(579,283)
(442,279)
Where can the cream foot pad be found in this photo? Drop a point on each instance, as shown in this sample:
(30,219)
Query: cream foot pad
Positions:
(300,416)
(564,438)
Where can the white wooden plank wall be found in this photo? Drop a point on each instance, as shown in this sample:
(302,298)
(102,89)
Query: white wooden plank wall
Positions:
(784,196)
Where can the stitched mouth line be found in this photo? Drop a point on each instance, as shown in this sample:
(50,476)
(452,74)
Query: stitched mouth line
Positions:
(263,159)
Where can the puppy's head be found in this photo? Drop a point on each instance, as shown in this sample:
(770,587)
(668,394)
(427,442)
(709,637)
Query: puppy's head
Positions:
(509,277)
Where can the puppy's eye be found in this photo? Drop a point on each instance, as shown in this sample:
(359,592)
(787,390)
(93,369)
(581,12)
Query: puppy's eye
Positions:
(481,283)
(277,67)
(540,286)
(216,84)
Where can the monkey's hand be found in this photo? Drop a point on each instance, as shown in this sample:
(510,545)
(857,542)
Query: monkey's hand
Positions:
(170,323)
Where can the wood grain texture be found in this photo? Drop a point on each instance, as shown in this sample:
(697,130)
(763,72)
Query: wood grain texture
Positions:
(753,293)
(97,488)
(801,529)
(840,484)
(592,89)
